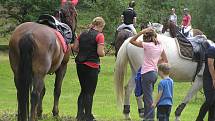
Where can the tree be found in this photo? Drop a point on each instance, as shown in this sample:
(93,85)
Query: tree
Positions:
(14,12)
(203,17)
(111,11)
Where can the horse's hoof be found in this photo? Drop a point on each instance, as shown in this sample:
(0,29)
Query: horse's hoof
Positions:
(39,114)
(177,118)
(40,117)
(55,114)
(127,116)
(141,115)
(141,112)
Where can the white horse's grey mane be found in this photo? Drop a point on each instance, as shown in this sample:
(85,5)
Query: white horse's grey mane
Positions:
(156,26)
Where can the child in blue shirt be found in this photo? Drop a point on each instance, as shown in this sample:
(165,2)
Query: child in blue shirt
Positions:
(164,97)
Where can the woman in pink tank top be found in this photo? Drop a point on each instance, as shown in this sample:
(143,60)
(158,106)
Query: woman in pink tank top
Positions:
(153,53)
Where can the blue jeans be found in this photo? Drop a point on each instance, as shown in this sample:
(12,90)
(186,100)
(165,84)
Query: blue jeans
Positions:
(163,112)
(147,82)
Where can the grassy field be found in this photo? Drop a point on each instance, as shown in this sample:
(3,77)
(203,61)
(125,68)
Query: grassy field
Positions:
(104,107)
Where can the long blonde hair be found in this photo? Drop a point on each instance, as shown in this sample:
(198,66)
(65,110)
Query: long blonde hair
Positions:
(98,21)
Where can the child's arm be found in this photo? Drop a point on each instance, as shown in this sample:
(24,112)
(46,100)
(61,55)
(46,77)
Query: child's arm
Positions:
(157,98)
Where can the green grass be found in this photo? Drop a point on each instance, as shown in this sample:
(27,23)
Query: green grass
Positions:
(104,106)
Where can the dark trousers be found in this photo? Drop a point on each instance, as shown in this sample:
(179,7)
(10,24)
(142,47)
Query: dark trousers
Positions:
(88,78)
(209,104)
(147,82)
(163,112)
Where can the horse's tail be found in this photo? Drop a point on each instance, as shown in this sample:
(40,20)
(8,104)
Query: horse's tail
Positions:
(24,76)
(120,71)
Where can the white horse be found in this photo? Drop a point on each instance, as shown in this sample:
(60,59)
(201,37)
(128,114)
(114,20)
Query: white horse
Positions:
(182,70)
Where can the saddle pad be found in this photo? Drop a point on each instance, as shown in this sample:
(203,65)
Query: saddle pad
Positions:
(61,40)
(185,49)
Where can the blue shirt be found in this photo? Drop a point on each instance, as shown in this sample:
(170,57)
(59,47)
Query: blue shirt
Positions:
(166,86)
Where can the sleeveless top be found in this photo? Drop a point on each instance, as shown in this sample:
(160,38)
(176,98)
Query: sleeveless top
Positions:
(88,42)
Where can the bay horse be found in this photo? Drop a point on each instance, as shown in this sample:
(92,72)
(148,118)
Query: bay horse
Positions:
(181,70)
(173,29)
(34,51)
(120,37)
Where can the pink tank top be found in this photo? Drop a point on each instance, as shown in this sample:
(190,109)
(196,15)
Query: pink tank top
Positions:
(151,56)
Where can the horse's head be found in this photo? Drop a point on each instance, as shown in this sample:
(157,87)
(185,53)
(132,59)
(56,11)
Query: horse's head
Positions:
(67,14)
(156,26)
(172,28)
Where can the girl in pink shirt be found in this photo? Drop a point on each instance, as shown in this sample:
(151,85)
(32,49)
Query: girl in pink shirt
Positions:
(153,52)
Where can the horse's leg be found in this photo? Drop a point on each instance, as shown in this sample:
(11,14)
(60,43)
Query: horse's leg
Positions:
(38,85)
(197,85)
(128,90)
(40,108)
(60,73)
(18,95)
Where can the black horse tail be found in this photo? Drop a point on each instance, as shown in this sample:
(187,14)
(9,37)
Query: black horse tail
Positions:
(26,48)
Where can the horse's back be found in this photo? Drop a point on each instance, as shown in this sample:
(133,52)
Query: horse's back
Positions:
(47,52)
(39,32)
(121,37)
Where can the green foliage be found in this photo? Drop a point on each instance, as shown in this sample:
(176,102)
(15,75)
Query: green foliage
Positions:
(14,12)
(204,16)
(111,11)
(29,10)
(202,12)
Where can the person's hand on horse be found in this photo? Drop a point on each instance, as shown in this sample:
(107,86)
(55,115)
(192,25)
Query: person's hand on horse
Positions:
(147,30)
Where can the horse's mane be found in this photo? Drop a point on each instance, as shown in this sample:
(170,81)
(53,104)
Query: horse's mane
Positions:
(171,26)
(172,29)
(66,13)
(68,8)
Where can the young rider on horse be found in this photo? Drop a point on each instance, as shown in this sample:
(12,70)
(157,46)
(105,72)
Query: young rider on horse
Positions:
(173,16)
(186,22)
(129,18)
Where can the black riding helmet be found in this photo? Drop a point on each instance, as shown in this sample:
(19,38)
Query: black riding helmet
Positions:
(132,4)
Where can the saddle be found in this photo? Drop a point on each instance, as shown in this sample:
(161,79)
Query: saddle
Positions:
(52,22)
(126,29)
(193,49)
